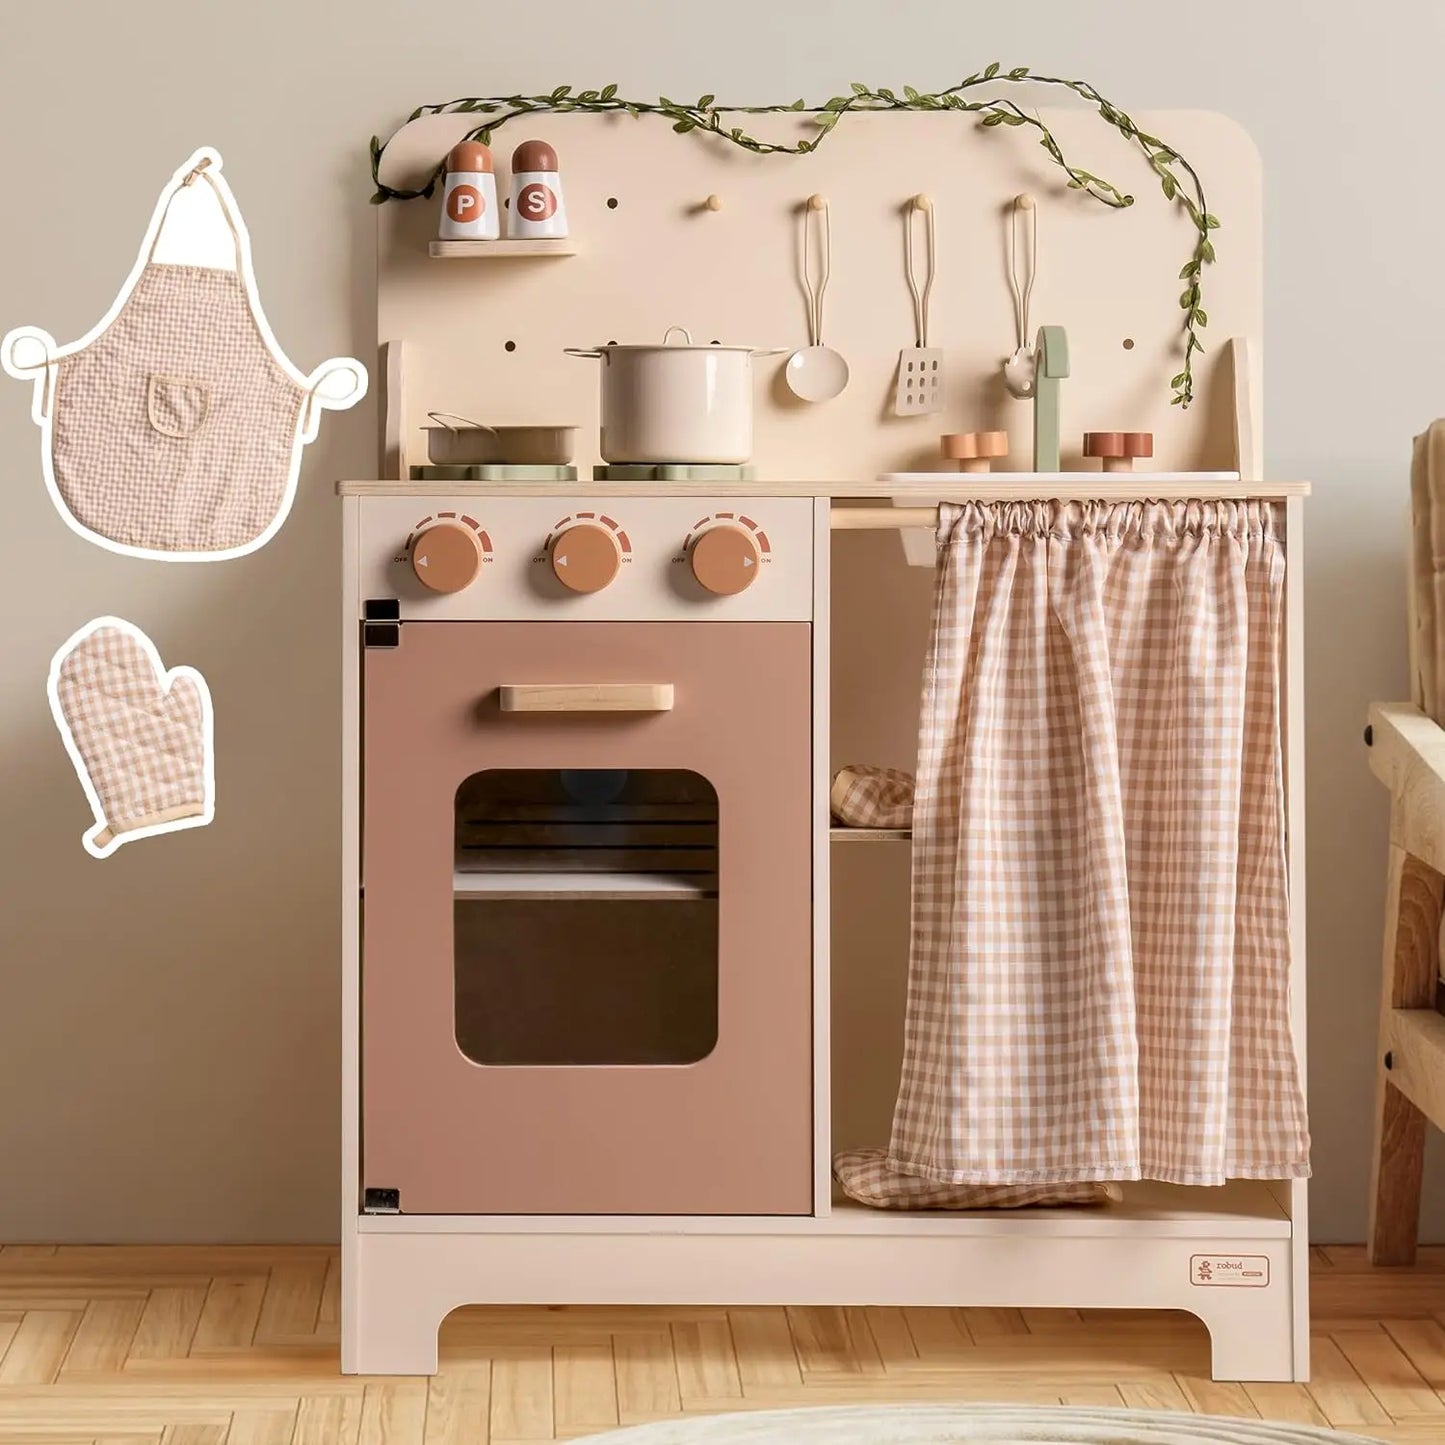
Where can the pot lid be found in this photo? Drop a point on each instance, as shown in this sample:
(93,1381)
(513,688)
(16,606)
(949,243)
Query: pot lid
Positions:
(668,344)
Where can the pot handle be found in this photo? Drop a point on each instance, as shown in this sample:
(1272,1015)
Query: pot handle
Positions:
(686,335)
(592,351)
(439,417)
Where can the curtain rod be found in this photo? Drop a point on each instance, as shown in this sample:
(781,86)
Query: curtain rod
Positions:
(873,519)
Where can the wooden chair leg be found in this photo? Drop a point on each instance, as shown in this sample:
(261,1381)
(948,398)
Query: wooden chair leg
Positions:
(1413,903)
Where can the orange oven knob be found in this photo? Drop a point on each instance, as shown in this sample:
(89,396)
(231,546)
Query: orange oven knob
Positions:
(725,559)
(586,556)
(446,557)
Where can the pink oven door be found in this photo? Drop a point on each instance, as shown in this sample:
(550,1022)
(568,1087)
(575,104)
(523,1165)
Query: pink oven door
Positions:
(587,935)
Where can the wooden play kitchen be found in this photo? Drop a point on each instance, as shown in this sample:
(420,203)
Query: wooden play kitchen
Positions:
(616,989)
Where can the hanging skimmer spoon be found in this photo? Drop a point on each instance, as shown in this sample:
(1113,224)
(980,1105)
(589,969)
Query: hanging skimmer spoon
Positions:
(816,372)
(920,368)
(1020,369)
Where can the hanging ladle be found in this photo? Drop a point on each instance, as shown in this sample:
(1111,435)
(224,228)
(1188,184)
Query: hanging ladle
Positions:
(1021,368)
(816,372)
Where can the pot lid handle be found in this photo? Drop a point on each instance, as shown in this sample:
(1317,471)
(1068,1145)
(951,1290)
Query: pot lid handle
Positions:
(440,417)
(686,334)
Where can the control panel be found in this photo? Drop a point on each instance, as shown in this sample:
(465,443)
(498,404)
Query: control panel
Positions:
(558,558)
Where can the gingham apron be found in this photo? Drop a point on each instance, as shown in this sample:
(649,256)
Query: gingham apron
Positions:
(1098,978)
(176,429)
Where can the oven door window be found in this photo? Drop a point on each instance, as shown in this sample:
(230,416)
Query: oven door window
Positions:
(585,917)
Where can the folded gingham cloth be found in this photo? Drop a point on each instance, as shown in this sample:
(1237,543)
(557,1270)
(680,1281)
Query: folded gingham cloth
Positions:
(865,1175)
(864,796)
(139,737)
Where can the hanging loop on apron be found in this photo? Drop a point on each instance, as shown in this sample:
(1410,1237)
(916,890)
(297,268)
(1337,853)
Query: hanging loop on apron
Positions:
(318,400)
(42,372)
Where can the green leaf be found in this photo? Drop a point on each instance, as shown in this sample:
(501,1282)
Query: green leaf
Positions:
(1169,186)
(1011,119)
(909,91)
(1178,381)
(703,101)
(1076,185)
(826,120)
(485,136)
(859,88)
(1018,72)
(1200,318)
(608,91)
(990,70)
(1206,250)
(1191,268)
(995,118)
(683,126)
(799,104)
(378,198)
(1176,401)
(587,95)
(633,111)
(887,95)
(375,147)
(1211,223)
(838,102)
(561,91)
(670,104)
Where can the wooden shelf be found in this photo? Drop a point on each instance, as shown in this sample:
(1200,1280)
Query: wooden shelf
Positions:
(1241,1209)
(499,250)
(870,835)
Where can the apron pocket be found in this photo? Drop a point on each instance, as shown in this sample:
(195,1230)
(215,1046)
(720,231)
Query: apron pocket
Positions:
(176,405)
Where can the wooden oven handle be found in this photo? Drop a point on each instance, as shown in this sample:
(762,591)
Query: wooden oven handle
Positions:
(586,697)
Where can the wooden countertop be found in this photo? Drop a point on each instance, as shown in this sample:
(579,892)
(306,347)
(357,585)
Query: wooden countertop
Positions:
(926,486)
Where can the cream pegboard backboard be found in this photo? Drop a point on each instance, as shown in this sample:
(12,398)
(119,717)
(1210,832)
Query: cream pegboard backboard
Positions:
(658,258)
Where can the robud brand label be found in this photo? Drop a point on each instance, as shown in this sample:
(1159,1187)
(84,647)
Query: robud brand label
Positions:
(1237,1271)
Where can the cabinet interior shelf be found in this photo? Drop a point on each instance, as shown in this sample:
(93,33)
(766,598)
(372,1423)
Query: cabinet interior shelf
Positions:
(495,887)
(498,250)
(871,835)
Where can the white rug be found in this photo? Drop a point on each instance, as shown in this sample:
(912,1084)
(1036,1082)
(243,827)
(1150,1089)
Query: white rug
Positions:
(972,1424)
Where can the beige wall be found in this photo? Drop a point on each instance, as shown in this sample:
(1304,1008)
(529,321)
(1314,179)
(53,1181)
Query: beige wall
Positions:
(168,1018)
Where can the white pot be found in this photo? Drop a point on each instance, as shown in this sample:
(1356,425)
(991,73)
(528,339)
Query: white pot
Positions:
(676,403)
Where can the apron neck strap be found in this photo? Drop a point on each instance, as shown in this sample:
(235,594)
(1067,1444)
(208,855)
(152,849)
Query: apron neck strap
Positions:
(199,172)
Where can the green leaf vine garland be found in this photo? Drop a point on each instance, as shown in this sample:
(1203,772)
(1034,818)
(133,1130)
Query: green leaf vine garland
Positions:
(1178,179)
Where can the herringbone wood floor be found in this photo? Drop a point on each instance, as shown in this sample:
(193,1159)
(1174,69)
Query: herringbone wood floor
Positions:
(237,1346)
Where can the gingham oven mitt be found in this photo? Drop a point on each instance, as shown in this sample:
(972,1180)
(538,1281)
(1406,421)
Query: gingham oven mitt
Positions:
(140,737)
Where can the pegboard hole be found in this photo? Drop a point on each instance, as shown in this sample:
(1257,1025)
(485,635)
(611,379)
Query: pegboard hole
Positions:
(1128,343)
(510,346)
(611,203)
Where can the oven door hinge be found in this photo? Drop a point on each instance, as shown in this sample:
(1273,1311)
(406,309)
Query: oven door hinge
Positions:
(381,1201)
(381,634)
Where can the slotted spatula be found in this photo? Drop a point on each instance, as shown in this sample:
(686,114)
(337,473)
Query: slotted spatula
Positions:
(920,367)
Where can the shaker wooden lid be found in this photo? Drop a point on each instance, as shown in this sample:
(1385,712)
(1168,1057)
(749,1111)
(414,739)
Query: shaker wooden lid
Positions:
(725,559)
(470,155)
(970,446)
(1116,444)
(586,557)
(534,155)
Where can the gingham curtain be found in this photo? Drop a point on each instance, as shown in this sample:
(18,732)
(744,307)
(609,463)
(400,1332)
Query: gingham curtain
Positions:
(1098,981)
